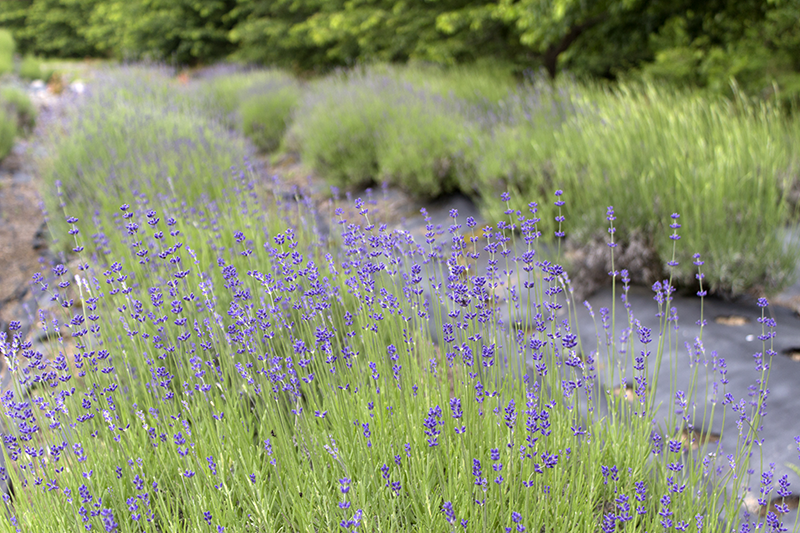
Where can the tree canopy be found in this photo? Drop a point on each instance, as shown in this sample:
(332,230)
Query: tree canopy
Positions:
(700,42)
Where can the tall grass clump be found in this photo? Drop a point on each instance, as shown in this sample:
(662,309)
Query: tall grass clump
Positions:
(371,125)
(7,48)
(136,131)
(221,369)
(725,165)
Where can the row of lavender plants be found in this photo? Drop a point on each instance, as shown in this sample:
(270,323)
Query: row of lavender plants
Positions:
(649,149)
(215,364)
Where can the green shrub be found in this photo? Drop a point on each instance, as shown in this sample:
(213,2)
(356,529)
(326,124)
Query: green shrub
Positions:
(652,151)
(7,47)
(266,115)
(137,131)
(426,145)
(372,125)
(8,131)
(19,106)
(335,130)
(226,91)
(31,68)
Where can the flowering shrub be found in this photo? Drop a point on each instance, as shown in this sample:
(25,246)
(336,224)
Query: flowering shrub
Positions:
(648,149)
(217,366)
(357,128)
(19,108)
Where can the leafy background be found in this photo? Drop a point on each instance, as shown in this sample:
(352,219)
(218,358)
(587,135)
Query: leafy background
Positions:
(700,43)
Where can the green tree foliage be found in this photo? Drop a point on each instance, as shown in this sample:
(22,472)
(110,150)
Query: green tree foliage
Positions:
(266,33)
(705,43)
(313,34)
(757,43)
(546,28)
(12,17)
(179,31)
(50,27)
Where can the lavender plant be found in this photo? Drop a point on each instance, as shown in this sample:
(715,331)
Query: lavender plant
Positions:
(286,386)
(728,166)
(369,126)
(259,104)
(8,132)
(216,365)
(7,48)
(19,108)
(135,134)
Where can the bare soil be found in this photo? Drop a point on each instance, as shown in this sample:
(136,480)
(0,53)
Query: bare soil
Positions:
(21,219)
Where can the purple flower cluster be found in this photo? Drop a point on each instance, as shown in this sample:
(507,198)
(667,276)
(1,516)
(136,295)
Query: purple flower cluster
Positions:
(248,361)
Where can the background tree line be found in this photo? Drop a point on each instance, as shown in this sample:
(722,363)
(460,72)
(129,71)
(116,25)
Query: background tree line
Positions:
(702,43)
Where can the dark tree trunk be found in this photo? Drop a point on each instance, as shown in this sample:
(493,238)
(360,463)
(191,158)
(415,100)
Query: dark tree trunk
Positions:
(550,56)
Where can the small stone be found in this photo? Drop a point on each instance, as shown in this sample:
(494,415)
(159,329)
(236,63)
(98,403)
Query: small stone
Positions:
(732,320)
(695,438)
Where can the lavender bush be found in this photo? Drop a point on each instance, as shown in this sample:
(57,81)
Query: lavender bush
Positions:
(19,108)
(220,367)
(8,131)
(258,104)
(362,127)
(135,135)
(727,166)
(651,150)
(7,49)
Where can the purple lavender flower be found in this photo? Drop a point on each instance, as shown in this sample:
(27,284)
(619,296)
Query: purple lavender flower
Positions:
(609,524)
(449,515)
(432,425)
(108,520)
(477,473)
(457,413)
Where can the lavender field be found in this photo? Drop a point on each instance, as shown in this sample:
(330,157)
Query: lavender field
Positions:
(226,351)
